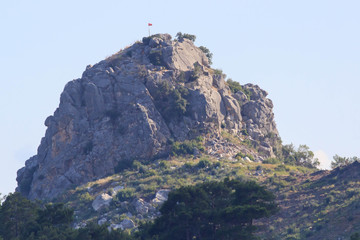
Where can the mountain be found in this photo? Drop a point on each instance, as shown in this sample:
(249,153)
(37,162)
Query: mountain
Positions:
(156,98)
(154,117)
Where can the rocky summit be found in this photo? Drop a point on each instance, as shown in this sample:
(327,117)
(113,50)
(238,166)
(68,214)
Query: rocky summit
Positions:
(135,105)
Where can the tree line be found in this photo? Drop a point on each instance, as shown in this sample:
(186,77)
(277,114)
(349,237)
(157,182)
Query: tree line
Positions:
(208,211)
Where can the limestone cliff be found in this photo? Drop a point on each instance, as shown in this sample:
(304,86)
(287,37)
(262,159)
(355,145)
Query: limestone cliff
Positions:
(133,105)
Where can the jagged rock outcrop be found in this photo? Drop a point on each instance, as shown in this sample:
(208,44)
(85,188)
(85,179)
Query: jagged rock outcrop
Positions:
(132,106)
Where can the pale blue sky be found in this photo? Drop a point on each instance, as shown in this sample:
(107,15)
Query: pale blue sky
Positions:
(306,54)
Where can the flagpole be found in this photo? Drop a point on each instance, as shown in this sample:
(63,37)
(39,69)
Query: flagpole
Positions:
(149,25)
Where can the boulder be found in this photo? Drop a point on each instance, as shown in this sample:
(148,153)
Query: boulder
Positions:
(102,221)
(142,207)
(127,224)
(124,224)
(161,196)
(101,200)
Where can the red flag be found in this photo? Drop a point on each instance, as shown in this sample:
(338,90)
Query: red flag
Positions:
(149,24)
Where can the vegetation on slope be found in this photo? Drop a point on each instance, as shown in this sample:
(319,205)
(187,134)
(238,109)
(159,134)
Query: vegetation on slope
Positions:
(313,205)
(212,210)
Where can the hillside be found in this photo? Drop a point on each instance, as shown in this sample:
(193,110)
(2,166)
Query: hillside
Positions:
(156,116)
(313,204)
(321,205)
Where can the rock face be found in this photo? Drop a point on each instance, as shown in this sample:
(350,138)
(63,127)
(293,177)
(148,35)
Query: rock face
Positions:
(101,201)
(161,196)
(132,106)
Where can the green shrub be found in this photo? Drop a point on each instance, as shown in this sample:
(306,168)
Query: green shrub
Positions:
(218,72)
(216,165)
(204,163)
(196,73)
(207,52)
(163,165)
(187,146)
(138,166)
(282,168)
(236,87)
(300,157)
(125,194)
(188,166)
(180,36)
(272,161)
(182,77)
(244,132)
(146,40)
(156,58)
(355,236)
(86,197)
(342,161)
(142,71)
(241,155)
(171,102)
(247,142)
(123,165)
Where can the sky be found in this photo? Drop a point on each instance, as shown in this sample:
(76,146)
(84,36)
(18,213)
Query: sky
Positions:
(305,54)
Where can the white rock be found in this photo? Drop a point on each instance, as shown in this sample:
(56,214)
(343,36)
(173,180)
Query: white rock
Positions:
(127,224)
(141,206)
(247,159)
(102,221)
(101,200)
(118,188)
(161,196)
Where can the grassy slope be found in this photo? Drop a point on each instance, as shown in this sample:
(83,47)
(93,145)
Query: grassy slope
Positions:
(323,205)
(314,205)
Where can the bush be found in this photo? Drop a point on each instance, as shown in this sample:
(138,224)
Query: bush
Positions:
(146,40)
(244,132)
(180,36)
(236,87)
(125,194)
(123,165)
(156,58)
(182,77)
(342,161)
(241,155)
(187,146)
(282,168)
(86,197)
(204,163)
(218,72)
(231,205)
(163,165)
(301,157)
(355,236)
(196,73)
(207,52)
(272,161)
(171,102)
